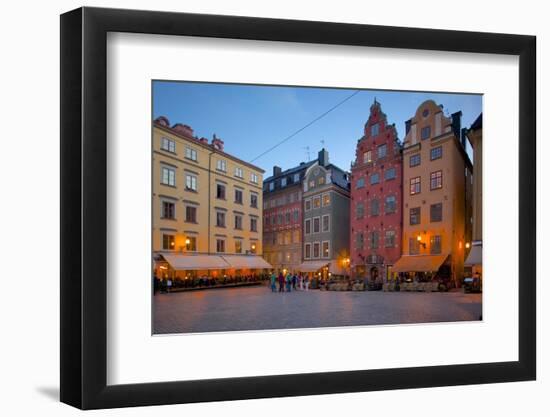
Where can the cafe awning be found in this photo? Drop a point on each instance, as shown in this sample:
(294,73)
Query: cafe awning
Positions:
(247,262)
(419,263)
(181,262)
(311,266)
(475,256)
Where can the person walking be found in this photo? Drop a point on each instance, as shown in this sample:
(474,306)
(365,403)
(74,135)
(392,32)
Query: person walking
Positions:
(306,279)
(300,282)
(294,279)
(288,282)
(273,281)
(281,282)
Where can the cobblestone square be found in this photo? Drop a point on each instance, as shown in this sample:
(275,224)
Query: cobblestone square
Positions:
(257,308)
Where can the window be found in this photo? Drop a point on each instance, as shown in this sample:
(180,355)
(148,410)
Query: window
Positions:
(254,200)
(252,247)
(436,180)
(415,186)
(326,200)
(190,182)
(325,249)
(296,236)
(279,218)
(307,204)
(168,176)
(253,224)
(436,212)
(414,246)
(307,226)
(168,210)
(283,182)
(221,165)
(436,153)
(374,207)
(254,179)
(296,177)
(316,250)
(382,150)
(389,239)
(238,172)
(316,202)
(191,243)
(373,240)
(389,174)
(375,178)
(374,129)
(359,210)
(168,145)
(414,160)
(287,238)
(425,132)
(271,186)
(238,222)
(360,240)
(220,191)
(321,180)
(238,246)
(435,244)
(190,153)
(360,183)
(287,217)
(191,214)
(414,216)
(308,251)
(390,205)
(316,224)
(220,245)
(367,157)
(296,215)
(220,219)
(311,183)
(238,196)
(326,223)
(168,242)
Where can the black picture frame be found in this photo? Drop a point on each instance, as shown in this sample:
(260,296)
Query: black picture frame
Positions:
(84,207)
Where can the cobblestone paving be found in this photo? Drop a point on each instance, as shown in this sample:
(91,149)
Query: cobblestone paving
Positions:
(257,308)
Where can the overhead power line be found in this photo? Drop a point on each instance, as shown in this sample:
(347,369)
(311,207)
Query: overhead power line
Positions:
(307,125)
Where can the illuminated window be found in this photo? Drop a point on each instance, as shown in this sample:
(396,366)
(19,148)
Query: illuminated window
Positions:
(326,200)
(326,249)
(367,157)
(307,204)
(316,202)
(191,243)
(168,242)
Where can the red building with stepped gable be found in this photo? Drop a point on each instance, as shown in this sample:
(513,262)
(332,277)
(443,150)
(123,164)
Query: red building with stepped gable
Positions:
(376,200)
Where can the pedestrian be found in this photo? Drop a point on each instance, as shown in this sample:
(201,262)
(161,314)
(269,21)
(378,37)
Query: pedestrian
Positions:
(301,282)
(294,279)
(281,282)
(288,282)
(168,284)
(306,279)
(273,280)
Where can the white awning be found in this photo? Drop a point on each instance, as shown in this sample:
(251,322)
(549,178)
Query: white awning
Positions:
(246,262)
(475,256)
(181,262)
(312,266)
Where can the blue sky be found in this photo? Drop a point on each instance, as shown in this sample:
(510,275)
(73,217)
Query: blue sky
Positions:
(251,119)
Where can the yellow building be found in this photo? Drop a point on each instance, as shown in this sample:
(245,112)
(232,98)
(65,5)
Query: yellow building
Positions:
(475,136)
(437,183)
(207,207)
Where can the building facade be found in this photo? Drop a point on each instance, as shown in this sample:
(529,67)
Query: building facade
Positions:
(437,180)
(206,206)
(376,200)
(325,219)
(475,136)
(283,217)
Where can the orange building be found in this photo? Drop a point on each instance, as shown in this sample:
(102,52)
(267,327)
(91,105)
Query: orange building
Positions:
(437,184)
(475,135)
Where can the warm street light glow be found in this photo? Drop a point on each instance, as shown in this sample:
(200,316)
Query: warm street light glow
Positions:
(467,245)
(419,238)
(187,241)
(253,246)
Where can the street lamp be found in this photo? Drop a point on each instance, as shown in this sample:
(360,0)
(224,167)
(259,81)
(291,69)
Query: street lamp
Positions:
(467,245)
(419,239)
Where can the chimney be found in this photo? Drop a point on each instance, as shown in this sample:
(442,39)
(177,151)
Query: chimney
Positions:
(203,140)
(163,121)
(323,157)
(217,143)
(184,130)
(407,126)
(277,170)
(456,117)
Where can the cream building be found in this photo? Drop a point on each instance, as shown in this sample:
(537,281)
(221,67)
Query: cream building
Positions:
(207,207)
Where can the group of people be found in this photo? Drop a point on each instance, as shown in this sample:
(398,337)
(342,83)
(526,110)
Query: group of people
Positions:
(288,282)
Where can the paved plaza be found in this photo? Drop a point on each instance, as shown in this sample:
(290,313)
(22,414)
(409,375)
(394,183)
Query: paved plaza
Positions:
(257,308)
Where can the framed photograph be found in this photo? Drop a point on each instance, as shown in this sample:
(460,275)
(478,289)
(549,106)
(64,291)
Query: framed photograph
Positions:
(258,208)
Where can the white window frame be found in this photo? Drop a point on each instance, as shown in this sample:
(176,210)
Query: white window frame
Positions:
(323,223)
(313,202)
(319,253)
(171,178)
(306,221)
(166,200)
(323,200)
(191,153)
(305,251)
(254,178)
(194,181)
(323,251)
(313,224)
(296,178)
(168,144)
(221,165)
(238,172)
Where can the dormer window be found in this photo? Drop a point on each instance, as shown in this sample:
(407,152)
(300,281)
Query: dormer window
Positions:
(374,129)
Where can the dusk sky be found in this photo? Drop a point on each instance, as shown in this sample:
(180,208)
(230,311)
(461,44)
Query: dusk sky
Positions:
(250,119)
